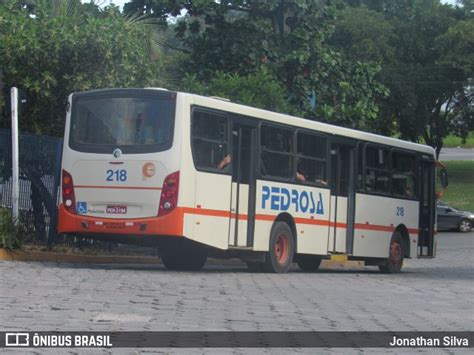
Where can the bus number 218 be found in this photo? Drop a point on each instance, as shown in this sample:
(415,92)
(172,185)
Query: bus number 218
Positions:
(116,175)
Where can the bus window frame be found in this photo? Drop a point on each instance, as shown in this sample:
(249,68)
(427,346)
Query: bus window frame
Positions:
(226,170)
(125,93)
(326,159)
(360,157)
(389,169)
(292,179)
(415,156)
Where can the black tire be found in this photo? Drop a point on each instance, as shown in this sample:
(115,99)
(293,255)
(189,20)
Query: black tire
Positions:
(184,261)
(254,266)
(394,262)
(308,263)
(465,225)
(281,249)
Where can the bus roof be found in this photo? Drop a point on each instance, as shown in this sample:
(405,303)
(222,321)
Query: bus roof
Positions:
(308,124)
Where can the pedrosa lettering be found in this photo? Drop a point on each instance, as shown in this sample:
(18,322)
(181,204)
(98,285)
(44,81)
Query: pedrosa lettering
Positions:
(282,199)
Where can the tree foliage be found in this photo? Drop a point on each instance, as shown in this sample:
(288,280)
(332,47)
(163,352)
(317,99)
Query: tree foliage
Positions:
(426,53)
(247,89)
(50,49)
(384,66)
(286,39)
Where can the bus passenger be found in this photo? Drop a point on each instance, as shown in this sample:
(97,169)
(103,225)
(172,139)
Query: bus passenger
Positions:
(225,161)
(300,174)
(300,177)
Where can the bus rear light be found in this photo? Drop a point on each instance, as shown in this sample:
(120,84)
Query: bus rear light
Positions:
(69,200)
(169,194)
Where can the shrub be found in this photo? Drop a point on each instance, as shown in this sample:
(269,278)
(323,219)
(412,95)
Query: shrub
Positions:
(11,234)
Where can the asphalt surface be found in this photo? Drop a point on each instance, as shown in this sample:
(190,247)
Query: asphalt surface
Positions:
(456,154)
(428,295)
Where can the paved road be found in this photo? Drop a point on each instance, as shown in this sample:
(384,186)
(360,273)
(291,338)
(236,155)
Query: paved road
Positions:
(456,154)
(428,295)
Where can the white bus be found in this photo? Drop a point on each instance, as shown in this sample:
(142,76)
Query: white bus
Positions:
(198,176)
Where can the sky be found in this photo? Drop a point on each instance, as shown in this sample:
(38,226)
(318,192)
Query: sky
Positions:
(120,3)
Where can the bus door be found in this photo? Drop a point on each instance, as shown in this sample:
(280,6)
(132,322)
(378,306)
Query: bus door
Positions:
(426,247)
(242,205)
(341,228)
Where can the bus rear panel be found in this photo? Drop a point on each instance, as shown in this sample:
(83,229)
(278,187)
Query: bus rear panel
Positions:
(120,169)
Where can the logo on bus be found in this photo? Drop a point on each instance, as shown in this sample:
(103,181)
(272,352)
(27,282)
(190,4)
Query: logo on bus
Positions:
(81,207)
(282,199)
(117,153)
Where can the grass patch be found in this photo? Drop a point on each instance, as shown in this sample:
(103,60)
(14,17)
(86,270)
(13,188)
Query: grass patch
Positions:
(450,141)
(460,191)
(454,142)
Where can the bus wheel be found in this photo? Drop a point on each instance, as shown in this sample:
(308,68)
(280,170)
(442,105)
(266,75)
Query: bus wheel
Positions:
(184,261)
(309,263)
(394,262)
(254,266)
(282,248)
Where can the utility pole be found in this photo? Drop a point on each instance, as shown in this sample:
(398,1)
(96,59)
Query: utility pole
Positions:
(15,157)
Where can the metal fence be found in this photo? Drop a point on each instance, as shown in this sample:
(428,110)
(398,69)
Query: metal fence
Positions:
(40,167)
(40,164)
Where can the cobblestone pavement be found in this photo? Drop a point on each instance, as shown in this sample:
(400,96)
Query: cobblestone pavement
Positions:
(429,295)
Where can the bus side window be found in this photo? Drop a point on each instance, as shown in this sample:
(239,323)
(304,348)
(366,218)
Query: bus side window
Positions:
(209,140)
(377,177)
(311,158)
(276,157)
(403,174)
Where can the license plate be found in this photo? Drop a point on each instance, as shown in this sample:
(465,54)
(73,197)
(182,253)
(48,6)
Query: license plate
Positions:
(117,209)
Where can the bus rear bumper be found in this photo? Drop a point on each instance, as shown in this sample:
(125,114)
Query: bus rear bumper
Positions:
(169,225)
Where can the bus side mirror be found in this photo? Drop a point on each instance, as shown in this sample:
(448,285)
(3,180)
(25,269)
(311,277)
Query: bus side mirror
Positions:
(443,177)
(442,174)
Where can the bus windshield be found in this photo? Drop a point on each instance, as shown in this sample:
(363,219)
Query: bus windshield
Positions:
(134,124)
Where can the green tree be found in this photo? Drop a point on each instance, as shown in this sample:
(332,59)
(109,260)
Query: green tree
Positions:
(286,38)
(51,49)
(243,89)
(426,51)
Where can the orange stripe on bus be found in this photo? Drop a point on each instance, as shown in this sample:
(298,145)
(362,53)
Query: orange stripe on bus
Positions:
(298,220)
(374,227)
(317,222)
(265,217)
(215,213)
(206,212)
(116,187)
(243,217)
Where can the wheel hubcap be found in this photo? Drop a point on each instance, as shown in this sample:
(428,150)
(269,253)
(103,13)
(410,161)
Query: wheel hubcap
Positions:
(281,249)
(465,226)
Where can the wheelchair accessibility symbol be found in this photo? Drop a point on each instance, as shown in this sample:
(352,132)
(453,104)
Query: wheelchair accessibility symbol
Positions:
(82,207)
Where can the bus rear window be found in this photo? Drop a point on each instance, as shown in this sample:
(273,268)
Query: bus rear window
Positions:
(134,124)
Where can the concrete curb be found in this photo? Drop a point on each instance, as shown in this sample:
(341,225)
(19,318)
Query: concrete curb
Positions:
(23,255)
